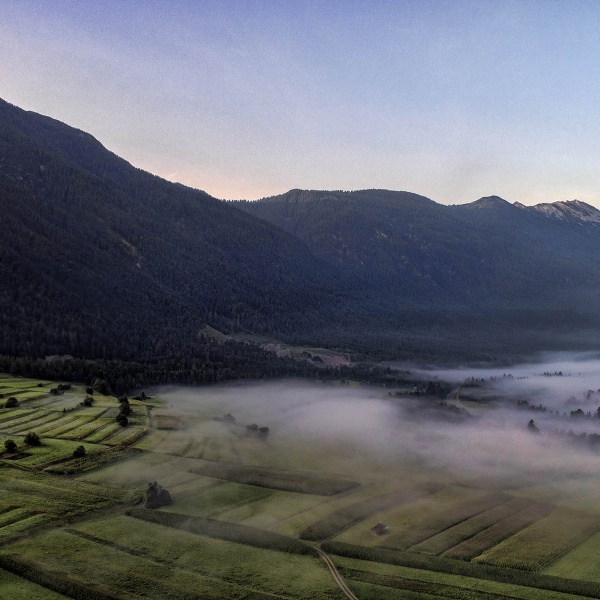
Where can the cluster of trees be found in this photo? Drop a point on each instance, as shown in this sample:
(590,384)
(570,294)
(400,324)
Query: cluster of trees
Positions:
(582,440)
(261,432)
(30,439)
(208,362)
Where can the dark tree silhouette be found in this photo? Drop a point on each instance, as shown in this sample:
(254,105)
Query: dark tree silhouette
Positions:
(79,452)
(32,439)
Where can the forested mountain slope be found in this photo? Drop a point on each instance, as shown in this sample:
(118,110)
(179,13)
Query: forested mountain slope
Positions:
(98,258)
(485,262)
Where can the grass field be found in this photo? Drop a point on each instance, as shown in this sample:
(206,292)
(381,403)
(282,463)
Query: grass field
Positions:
(247,512)
(544,542)
(17,588)
(581,562)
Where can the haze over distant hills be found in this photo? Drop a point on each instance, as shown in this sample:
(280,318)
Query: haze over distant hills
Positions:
(100,259)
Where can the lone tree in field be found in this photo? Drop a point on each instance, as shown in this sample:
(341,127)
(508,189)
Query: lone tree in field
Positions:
(32,439)
(532,427)
(124,407)
(12,402)
(10,446)
(157,496)
(79,452)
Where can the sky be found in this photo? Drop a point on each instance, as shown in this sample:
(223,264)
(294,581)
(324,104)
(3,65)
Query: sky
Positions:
(246,99)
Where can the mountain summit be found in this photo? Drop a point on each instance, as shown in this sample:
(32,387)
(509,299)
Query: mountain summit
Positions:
(569,210)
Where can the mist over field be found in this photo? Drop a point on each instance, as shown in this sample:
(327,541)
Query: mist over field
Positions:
(480,430)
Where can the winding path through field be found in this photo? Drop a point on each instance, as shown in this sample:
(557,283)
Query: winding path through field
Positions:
(336,576)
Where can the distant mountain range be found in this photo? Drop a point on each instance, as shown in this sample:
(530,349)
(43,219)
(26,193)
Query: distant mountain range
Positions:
(100,259)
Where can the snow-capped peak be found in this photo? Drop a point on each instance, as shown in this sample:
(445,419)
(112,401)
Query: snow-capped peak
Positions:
(573,210)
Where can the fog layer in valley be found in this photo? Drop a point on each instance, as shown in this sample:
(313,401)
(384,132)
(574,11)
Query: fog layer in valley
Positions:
(530,422)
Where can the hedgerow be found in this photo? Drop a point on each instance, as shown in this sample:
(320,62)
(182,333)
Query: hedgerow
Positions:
(231,532)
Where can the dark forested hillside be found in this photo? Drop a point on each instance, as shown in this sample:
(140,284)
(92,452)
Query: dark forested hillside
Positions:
(526,274)
(100,260)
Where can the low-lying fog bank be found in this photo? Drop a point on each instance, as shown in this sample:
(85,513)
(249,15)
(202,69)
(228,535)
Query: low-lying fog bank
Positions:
(530,421)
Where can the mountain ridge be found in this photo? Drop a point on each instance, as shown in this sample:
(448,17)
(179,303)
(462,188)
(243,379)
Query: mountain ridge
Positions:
(101,259)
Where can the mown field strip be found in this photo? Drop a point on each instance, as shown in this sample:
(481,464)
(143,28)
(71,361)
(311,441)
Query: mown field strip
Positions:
(252,452)
(219,449)
(58,496)
(271,511)
(16,416)
(343,518)
(111,412)
(441,518)
(54,488)
(439,564)
(290,481)
(6,507)
(543,542)
(42,421)
(151,441)
(469,527)
(500,531)
(280,573)
(7,380)
(93,461)
(415,588)
(18,588)
(26,395)
(121,545)
(65,566)
(104,430)
(212,500)
(27,522)
(11,516)
(174,443)
(76,422)
(580,563)
(197,448)
(233,532)
(125,436)
(470,586)
(190,488)
(51,428)
(83,431)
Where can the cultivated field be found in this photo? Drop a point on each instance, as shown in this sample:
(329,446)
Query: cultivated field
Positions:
(251,505)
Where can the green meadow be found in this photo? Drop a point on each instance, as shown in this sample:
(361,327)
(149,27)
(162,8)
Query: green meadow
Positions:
(249,511)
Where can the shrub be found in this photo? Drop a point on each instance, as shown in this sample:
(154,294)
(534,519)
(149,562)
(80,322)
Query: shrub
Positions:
(32,439)
(12,402)
(10,446)
(79,452)
(124,408)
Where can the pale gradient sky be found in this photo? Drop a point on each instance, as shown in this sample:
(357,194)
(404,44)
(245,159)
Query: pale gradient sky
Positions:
(245,99)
